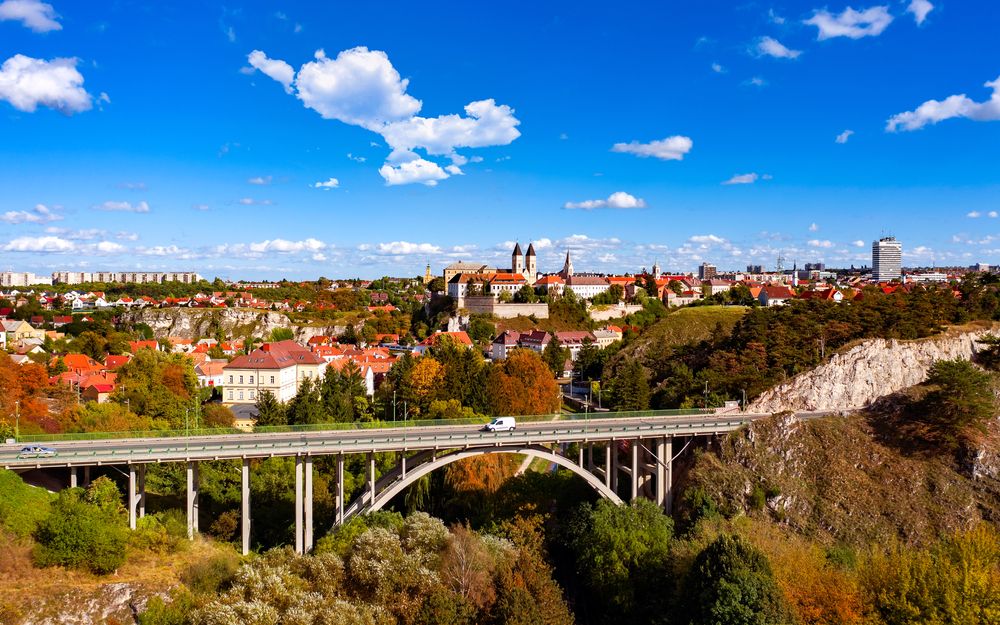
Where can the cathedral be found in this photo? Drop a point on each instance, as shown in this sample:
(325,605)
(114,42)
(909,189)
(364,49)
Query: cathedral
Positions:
(524,264)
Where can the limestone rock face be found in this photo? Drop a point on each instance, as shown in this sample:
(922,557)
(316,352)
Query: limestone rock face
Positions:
(193,323)
(858,376)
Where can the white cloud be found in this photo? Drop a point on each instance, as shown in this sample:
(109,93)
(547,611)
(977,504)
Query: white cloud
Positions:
(934,111)
(402,248)
(38,16)
(774,17)
(756,81)
(356,159)
(706,239)
(718,69)
(974,214)
(124,207)
(992,214)
(332,183)
(133,186)
(768,46)
(275,69)
(161,250)
(412,171)
(851,23)
(39,244)
(122,235)
(670,149)
(200,207)
(844,136)
(618,199)
(283,246)
(920,9)
(27,83)
(261,180)
(249,201)
(859,243)
(742,179)
(109,247)
(362,88)
(818,243)
(813,227)
(38,215)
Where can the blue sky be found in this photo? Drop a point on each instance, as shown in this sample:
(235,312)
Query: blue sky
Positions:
(196,136)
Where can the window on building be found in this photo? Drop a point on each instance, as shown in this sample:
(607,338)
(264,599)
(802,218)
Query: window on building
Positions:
(272,379)
(241,395)
(230,394)
(251,379)
(241,379)
(230,379)
(251,395)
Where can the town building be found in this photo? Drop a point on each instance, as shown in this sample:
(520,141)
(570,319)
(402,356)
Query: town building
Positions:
(887,258)
(20,278)
(706,271)
(586,287)
(128,277)
(275,367)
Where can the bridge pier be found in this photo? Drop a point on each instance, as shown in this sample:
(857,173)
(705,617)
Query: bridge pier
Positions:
(667,466)
(72,477)
(339,519)
(607,465)
(309,504)
(192,499)
(371,477)
(298,504)
(132,499)
(245,504)
(136,493)
(634,447)
(142,491)
(86,477)
(614,465)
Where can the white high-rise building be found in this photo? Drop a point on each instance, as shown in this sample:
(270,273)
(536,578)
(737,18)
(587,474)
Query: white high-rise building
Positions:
(22,278)
(887,259)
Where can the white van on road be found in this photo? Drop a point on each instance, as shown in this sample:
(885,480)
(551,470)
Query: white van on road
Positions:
(501,424)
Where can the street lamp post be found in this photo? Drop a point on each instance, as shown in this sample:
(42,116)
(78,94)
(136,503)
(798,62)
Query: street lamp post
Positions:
(17,419)
(744,398)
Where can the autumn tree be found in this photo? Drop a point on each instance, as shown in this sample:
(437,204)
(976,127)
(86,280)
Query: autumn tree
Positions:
(555,356)
(521,384)
(425,381)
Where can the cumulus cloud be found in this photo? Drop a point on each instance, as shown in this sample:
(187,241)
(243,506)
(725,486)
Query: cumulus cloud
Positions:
(850,23)
(706,239)
(743,179)
(718,69)
(275,69)
(200,207)
(859,243)
(670,149)
(756,81)
(844,136)
(38,16)
(818,243)
(26,83)
(361,87)
(38,215)
(332,183)
(260,180)
(618,199)
(415,170)
(992,214)
(249,201)
(39,244)
(161,250)
(124,207)
(934,111)
(769,46)
(919,9)
(813,227)
(973,214)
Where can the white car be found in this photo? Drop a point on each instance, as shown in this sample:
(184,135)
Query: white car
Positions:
(501,424)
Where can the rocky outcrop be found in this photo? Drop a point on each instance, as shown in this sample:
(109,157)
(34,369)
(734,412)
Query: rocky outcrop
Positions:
(107,603)
(858,376)
(194,323)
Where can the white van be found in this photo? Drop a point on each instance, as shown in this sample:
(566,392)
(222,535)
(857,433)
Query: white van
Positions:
(501,424)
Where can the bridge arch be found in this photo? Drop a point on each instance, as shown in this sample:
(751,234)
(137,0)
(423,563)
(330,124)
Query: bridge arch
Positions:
(383,497)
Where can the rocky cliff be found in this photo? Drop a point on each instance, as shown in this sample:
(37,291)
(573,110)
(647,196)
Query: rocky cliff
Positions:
(858,376)
(193,323)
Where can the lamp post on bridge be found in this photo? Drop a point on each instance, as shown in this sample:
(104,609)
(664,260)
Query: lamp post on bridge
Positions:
(17,419)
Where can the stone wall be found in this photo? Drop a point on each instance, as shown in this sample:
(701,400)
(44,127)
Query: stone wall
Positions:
(613,312)
(194,323)
(486,305)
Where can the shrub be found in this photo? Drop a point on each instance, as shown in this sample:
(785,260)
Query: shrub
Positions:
(84,529)
(22,507)
(208,576)
(163,532)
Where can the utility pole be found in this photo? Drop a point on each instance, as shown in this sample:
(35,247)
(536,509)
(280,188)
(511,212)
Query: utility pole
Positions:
(744,398)
(17,419)
(706,394)
(394,406)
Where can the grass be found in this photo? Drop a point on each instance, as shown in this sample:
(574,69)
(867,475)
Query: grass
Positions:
(693,324)
(22,507)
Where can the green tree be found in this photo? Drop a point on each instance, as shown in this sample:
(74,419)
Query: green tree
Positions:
(623,556)
(85,529)
(282,334)
(526,295)
(731,583)
(628,388)
(269,410)
(307,405)
(437,285)
(555,357)
(961,400)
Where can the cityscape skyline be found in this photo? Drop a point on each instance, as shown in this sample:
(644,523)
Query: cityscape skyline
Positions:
(307,141)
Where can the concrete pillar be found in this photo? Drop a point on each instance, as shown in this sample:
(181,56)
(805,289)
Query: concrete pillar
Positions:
(614,465)
(579,461)
(668,475)
(298,504)
(371,479)
(402,463)
(245,521)
(192,499)
(309,504)
(635,469)
(607,465)
(72,477)
(142,491)
(590,457)
(340,489)
(132,502)
(86,477)
(661,473)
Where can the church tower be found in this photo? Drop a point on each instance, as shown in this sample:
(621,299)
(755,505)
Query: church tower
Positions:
(656,270)
(532,266)
(567,269)
(517,260)
(427,275)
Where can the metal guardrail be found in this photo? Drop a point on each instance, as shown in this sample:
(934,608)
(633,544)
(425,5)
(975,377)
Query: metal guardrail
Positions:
(358,425)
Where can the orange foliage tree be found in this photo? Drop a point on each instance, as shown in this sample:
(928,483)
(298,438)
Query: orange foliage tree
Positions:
(522,384)
(22,391)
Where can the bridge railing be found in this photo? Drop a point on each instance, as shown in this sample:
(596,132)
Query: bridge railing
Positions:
(357,425)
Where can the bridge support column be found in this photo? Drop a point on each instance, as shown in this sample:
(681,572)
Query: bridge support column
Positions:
(580,459)
(634,447)
(371,478)
(661,471)
(72,477)
(668,475)
(309,504)
(132,498)
(142,491)
(340,489)
(614,465)
(607,465)
(245,503)
(86,477)
(590,457)
(298,504)
(192,499)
